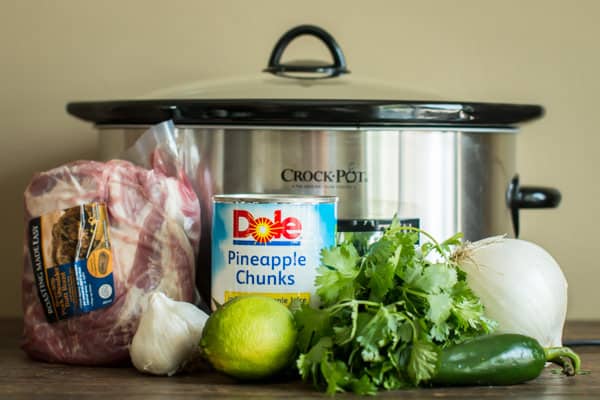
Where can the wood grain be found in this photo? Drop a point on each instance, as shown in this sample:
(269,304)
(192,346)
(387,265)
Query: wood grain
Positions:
(22,378)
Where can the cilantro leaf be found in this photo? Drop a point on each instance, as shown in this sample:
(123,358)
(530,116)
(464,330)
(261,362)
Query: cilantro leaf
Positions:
(312,324)
(363,386)
(336,375)
(320,365)
(377,333)
(440,306)
(341,258)
(384,259)
(381,279)
(454,241)
(360,240)
(467,309)
(382,250)
(440,332)
(336,275)
(423,361)
(435,278)
(404,332)
(387,376)
(309,363)
(410,273)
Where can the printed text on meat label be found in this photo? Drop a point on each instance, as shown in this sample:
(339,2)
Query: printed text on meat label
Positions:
(71,260)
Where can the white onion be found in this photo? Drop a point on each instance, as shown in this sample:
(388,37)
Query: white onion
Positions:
(521,286)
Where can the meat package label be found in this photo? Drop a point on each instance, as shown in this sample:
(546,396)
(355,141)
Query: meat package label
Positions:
(72,260)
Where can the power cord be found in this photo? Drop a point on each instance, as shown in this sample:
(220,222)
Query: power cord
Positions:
(582,342)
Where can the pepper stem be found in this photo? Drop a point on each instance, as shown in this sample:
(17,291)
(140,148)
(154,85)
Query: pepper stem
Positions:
(565,357)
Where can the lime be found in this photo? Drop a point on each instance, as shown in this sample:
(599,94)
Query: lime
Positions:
(249,337)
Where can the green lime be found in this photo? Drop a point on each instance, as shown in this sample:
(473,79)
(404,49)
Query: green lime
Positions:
(249,337)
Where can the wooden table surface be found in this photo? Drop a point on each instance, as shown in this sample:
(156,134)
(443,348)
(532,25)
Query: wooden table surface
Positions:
(22,378)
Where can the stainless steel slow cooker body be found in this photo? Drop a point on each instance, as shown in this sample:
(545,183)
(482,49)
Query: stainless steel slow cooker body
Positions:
(444,166)
(444,180)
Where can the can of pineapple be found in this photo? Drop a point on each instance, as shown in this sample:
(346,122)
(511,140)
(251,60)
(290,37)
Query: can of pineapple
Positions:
(269,245)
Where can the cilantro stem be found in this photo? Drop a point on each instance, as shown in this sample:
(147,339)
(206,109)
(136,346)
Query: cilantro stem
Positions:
(414,328)
(349,303)
(397,303)
(436,244)
(416,293)
(354,304)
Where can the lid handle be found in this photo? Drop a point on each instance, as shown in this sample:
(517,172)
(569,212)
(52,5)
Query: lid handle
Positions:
(307,69)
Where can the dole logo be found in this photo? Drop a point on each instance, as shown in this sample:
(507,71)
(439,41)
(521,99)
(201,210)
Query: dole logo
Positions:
(263,230)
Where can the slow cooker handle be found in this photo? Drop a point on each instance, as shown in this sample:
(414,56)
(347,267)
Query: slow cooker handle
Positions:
(319,69)
(518,197)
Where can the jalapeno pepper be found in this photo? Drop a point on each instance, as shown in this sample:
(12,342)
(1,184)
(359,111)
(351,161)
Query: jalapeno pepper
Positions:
(504,359)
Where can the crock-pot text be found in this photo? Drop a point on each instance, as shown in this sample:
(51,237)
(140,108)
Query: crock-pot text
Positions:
(332,176)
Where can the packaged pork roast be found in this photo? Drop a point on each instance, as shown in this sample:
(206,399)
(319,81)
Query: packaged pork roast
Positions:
(100,238)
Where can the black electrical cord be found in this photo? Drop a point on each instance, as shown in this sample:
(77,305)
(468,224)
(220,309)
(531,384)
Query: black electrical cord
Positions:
(582,342)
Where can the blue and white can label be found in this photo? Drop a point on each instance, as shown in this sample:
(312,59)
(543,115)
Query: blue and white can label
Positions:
(269,245)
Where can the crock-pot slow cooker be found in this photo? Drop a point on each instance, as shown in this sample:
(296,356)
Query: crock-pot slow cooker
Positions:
(307,127)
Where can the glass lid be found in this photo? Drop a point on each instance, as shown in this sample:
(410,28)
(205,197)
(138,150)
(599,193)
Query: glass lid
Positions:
(300,93)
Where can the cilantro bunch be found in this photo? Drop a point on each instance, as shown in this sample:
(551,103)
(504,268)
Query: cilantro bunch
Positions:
(387,309)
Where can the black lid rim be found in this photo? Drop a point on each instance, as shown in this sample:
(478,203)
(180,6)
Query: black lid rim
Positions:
(295,112)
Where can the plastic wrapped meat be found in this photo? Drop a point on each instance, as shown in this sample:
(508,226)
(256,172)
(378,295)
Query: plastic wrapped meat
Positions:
(101,237)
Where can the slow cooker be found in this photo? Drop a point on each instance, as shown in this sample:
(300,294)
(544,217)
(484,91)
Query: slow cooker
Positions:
(308,127)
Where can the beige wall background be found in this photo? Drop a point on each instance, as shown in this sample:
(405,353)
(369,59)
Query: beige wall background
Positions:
(537,51)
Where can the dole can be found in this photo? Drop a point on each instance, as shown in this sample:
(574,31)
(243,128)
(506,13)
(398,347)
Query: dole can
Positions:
(269,245)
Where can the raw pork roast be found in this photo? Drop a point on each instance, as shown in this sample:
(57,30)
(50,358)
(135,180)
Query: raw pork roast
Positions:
(154,233)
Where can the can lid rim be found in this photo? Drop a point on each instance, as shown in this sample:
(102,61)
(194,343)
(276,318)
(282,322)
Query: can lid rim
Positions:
(263,198)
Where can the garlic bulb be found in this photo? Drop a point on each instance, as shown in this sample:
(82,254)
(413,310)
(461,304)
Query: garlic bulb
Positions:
(167,336)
